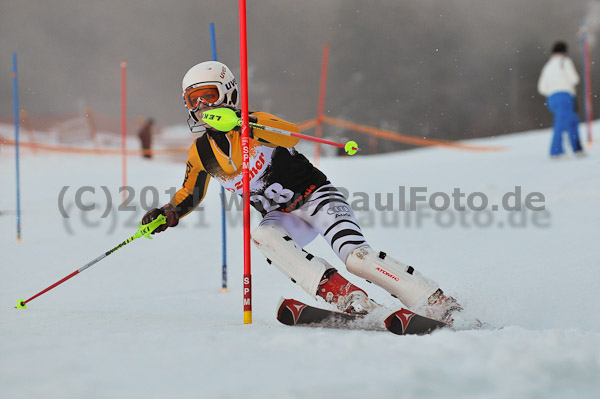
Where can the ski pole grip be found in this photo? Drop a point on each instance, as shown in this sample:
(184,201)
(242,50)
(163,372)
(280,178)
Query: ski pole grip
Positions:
(221,119)
(146,229)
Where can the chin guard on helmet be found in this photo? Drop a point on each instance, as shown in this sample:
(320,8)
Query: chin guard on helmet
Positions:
(196,126)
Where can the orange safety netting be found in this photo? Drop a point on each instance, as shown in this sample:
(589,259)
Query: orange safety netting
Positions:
(389,135)
(303,126)
(85,150)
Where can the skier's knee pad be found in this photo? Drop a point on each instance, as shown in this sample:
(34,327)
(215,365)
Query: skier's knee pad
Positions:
(400,280)
(280,250)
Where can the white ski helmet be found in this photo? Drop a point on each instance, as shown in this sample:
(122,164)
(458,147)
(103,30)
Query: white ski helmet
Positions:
(207,76)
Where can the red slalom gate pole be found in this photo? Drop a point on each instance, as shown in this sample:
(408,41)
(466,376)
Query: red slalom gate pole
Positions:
(124,126)
(245,163)
(321,108)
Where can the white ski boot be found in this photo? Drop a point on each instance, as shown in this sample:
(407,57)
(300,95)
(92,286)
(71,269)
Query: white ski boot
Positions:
(440,307)
(414,290)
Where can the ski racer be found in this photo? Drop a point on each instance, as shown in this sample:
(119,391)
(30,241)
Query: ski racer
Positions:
(297,202)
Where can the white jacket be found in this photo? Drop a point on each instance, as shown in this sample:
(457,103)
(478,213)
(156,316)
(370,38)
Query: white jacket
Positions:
(558,75)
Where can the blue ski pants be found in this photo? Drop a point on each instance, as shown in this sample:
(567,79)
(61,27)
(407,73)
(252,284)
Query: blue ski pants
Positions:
(562,105)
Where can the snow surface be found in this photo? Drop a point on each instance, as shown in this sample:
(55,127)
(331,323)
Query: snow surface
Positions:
(150,321)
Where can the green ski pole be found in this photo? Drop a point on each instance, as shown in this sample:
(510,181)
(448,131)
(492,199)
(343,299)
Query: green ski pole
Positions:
(143,231)
(225,119)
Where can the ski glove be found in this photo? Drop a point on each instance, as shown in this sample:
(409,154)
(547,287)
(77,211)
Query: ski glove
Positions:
(168,211)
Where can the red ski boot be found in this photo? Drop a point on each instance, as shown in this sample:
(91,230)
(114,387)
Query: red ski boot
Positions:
(349,298)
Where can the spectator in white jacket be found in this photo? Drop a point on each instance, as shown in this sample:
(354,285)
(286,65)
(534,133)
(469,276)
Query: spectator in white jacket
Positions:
(557,83)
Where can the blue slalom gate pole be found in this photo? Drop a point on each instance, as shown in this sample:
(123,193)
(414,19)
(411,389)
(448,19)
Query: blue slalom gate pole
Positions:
(213,43)
(16,108)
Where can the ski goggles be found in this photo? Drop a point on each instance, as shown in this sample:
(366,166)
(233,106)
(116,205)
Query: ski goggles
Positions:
(208,93)
(201,93)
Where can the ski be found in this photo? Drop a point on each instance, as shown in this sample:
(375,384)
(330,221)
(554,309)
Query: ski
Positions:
(295,313)
(401,322)
(405,322)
